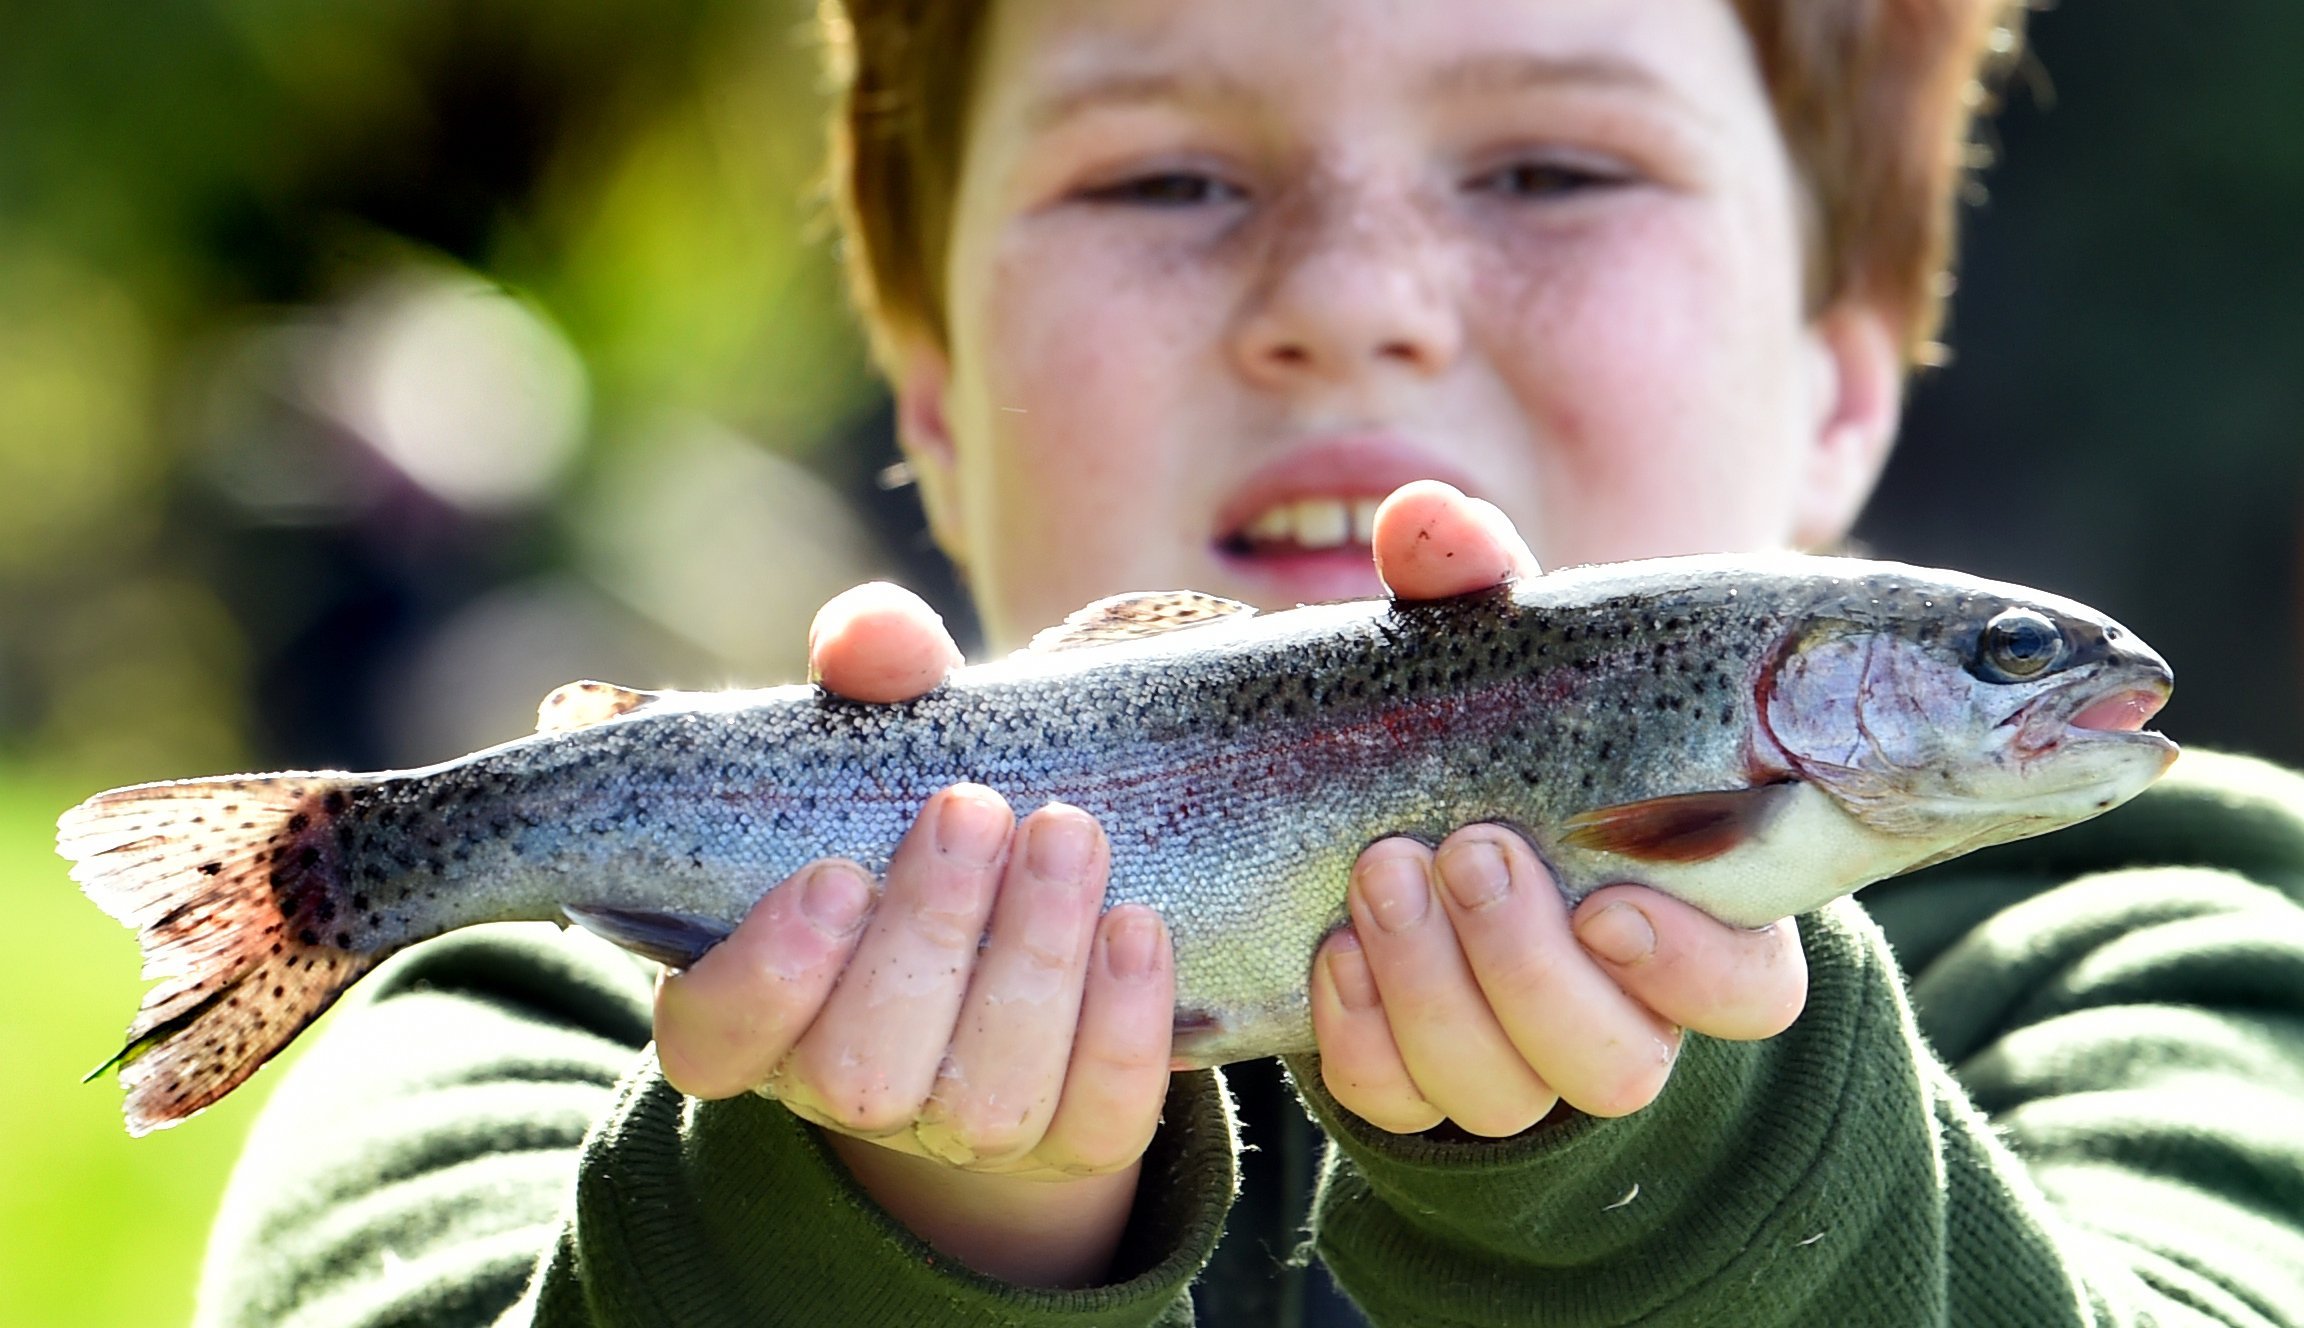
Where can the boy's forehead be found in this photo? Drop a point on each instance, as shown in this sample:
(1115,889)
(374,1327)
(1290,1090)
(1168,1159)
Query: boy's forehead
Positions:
(1116,74)
(1052,61)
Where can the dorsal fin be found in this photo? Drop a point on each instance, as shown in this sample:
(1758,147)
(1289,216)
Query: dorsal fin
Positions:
(1138,614)
(580,705)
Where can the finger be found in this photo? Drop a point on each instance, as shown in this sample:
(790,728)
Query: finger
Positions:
(1603,1051)
(1359,1062)
(1000,1080)
(1691,968)
(1432,542)
(866,1065)
(724,1022)
(1117,1081)
(1455,1050)
(879,642)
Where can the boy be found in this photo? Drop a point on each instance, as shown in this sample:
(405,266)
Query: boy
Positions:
(1172,294)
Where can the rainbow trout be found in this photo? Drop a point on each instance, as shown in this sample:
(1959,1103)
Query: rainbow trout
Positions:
(1755,735)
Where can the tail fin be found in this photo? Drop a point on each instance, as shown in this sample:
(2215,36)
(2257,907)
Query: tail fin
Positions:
(231,885)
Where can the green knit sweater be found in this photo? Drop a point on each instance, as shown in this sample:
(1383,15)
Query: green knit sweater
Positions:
(2058,1082)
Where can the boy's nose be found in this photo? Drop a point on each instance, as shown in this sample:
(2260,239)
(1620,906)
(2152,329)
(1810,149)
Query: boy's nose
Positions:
(1347,289)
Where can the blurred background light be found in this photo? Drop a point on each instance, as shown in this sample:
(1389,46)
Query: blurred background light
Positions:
(476,680)
(724,542)
(80,469)
(468,390)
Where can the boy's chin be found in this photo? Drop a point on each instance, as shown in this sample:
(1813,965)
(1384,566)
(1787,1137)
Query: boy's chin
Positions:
(1280,577)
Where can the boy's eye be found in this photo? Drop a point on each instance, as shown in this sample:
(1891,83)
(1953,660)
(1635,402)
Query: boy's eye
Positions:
(1165,189)
(1541,179)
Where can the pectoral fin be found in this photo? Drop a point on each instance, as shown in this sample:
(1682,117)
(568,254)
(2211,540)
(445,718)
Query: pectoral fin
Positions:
(1685,827)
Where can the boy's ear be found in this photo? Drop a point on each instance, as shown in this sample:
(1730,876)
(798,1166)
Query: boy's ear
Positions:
(1857,394)
(923,380)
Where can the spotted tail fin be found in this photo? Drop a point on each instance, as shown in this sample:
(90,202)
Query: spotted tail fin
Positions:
(231,886)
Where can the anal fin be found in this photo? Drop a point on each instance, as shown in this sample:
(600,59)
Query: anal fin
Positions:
(1684,827)
(675,940)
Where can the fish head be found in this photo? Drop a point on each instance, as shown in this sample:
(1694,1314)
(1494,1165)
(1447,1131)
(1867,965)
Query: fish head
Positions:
(1962,716)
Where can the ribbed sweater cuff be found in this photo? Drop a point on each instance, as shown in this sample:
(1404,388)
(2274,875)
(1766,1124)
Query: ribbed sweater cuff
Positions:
(705,1213)
(1752,1149)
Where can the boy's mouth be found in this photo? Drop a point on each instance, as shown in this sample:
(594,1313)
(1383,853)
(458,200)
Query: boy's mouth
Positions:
(1300,528)
(1305,549)
(1306,525)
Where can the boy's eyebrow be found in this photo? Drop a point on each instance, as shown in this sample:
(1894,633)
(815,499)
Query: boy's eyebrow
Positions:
(1124,89)
(1489,72)
(1515,71)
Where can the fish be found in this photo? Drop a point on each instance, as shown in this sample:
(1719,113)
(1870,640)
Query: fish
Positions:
(1756,734)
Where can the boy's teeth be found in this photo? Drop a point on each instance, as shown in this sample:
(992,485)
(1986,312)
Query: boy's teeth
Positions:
(1315,523)
(1272,526)
(1322,523)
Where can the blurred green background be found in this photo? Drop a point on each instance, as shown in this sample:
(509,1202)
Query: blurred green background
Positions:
(267,268)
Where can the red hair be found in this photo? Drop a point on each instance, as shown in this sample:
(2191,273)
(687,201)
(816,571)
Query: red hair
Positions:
(1876,100)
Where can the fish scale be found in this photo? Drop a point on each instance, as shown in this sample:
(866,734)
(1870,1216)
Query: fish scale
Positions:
(1630,720)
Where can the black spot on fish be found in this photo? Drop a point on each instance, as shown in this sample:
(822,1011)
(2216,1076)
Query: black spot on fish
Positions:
(298,822)
(211,868)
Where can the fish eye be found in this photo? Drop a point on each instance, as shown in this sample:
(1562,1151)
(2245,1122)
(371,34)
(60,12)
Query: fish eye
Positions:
(2019,644)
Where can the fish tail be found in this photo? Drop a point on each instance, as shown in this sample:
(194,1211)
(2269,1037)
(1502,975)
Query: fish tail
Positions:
(232,888)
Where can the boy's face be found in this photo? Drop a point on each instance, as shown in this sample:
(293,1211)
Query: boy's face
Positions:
(1222,275)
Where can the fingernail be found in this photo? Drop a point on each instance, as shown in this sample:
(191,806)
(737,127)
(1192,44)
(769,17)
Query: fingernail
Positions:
(1618,933)
(1474,872)
(971,826)
(1132,945)
(1061,841)
(1348,970)
(834,899)
(1395,888)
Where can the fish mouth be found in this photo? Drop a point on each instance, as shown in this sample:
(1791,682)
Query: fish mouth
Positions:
(2107,707)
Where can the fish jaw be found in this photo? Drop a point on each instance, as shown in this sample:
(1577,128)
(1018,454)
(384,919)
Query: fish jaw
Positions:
(1917,742)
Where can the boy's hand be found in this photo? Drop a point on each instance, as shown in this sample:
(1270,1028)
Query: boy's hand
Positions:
(956,1083)
(994,1097)
(1465,989)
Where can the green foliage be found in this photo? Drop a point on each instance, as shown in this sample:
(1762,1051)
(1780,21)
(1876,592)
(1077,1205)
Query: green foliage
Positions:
(191,197)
